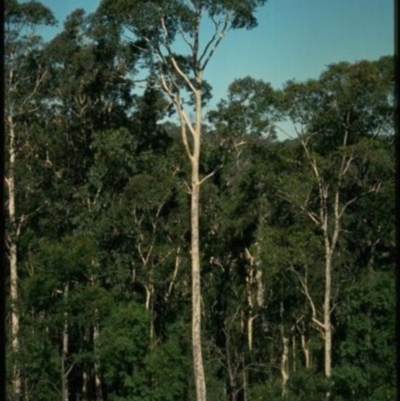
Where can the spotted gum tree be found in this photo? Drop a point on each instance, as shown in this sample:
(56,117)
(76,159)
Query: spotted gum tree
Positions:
(159,28)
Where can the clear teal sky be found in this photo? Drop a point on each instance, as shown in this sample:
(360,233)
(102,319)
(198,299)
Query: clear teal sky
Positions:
(294,39)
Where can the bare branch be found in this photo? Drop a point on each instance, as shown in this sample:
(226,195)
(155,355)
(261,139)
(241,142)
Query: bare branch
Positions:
(188,189)
(185,39)
(313,217)
(345,166)
(176,269)
(173,60)
(210,175)
(214,40)
(341,212)
(182,74)
(304,285)
(35,89)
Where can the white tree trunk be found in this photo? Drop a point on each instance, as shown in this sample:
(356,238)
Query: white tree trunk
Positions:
(195,254)
(327,317)
(306,351)
(285,354)
(13,258)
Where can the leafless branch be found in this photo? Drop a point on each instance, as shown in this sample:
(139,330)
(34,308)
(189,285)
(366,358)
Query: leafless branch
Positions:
(304,284)
(210,175)
(176,269)
(215,40)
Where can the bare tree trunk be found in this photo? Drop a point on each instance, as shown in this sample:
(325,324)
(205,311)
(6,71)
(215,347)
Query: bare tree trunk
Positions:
(245,388)
(254,276)
(294,352)
(149,307)
(64,353)
(195,248)
(85,380)
(193,153)
(285,354)
(250,318)
(306,351)
(87,337)
(327,317)
(97,380)
(13,259)
(331,231)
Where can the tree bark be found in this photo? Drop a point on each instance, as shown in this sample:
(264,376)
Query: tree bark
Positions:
(97,380)
(64,353)
(13,259)
(327,317)
(285,354)
(294,353)
(245,386)
(195,253)
(306,351)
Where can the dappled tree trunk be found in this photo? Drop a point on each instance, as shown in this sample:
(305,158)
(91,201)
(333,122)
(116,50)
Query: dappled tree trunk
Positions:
(253,283)
(13,258)
(285,353)
(250,318)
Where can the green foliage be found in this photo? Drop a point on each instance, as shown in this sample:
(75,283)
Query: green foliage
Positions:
(366,329)
(104,221)
(168,366)
(308,386)
(267,391)
(121,348)
(357,98)
(40,364)
(29,14)
(251,108)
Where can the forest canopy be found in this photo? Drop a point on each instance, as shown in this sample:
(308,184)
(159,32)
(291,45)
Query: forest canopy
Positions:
(296,229)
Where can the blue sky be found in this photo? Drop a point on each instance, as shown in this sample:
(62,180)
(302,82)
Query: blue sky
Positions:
(295,39)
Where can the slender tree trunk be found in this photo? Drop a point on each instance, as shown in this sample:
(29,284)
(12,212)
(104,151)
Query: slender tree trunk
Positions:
(245,387)
(250,318)
(13,259)
(285,354)
(97,380)
(254,276)
(95,334)
(149,307)
(195,248)
(85,380)
(64,353)
(306,351)
(330,242)
(193,152)
(294,352)
(327,317)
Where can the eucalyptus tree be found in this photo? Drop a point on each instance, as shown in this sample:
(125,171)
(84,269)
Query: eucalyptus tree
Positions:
(341,115)
(156,26)
(92,157)
(249,110)
(25,74)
